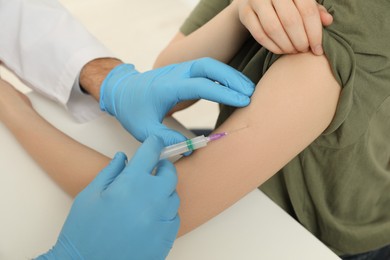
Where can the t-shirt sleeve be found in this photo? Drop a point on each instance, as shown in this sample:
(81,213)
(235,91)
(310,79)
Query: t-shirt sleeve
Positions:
(342,61)
(202,13)
(359,57)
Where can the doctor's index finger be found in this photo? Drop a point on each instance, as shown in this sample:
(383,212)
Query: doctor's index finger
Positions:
(201,88)
(222,73)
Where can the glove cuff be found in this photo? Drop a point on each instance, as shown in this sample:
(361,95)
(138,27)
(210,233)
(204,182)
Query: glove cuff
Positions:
(110,85)
(64,250)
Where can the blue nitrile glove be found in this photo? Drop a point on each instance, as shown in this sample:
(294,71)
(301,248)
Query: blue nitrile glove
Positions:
(125,213)
(140,101)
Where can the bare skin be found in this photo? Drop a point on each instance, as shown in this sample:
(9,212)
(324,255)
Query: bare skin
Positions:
(41,141)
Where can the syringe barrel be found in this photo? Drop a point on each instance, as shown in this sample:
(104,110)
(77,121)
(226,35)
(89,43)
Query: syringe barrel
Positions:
(183,147)
(199,142)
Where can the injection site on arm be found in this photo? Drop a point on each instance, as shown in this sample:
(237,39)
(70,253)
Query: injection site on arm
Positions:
(293,104)
(189,145)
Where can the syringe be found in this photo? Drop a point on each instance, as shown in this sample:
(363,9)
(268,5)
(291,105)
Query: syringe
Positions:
(189,145)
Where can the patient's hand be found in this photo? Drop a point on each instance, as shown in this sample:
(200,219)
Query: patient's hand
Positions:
(285,26)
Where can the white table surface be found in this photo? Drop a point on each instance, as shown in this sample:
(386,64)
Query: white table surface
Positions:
(33,208)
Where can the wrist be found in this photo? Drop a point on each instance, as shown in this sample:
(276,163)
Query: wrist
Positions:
(93,74)
(13,104)
(17,118)
(109,87)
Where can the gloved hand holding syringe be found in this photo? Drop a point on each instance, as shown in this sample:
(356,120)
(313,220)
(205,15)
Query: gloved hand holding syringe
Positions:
(189,145)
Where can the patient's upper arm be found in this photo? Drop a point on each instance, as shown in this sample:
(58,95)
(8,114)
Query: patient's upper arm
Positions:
(293,104)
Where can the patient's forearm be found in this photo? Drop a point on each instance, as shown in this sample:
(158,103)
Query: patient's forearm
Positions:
(293,104)
(69,163)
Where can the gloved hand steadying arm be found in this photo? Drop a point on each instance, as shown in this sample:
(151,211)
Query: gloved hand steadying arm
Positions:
(125,213)
(140,101)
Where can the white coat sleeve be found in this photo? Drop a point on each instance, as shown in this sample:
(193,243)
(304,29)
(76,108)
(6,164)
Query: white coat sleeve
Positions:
(45,46)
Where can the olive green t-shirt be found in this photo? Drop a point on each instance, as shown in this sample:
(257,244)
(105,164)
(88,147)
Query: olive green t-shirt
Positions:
(339,186)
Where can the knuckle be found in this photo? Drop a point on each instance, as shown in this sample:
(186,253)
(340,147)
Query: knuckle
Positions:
(276,50)
(260,38)
(288,50)
(244,15)
(252,2)
(302,47)
(271,28)
(291,51)
(302,44)
(308,11)
(290,21)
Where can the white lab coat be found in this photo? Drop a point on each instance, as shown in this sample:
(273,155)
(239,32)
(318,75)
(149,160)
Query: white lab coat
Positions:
(46,47)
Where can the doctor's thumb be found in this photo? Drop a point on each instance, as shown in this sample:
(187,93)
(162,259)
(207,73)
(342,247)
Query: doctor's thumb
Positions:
(108,174)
